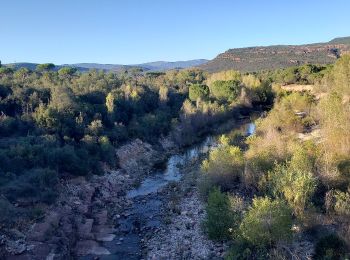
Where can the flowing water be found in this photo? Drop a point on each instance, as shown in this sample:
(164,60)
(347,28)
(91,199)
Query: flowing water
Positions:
(144,215)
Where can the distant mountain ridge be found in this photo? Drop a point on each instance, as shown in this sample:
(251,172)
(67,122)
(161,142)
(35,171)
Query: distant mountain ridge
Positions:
(259,58)
(149,66)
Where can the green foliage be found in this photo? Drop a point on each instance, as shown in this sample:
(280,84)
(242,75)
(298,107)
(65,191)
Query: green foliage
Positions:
(267,222)
(225,90)
(197,91)
(331,247)
(5,70)
(45,67)
(67,72)
(295,183)
(224,166)
(37,184)
(8,213)
(221,220)
(241,249)
(341,75)
(342,203)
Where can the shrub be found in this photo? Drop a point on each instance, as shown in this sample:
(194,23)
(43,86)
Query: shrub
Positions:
(331,247)
(221,220)
(37,184)
(267,222)
(198,91)
(224,166)
(225,90)
(240,250)
(294,184)
(342,203)
(8,212)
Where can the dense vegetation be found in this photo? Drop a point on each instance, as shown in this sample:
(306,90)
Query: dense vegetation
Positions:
(263,193)
(291,177)
(59,123)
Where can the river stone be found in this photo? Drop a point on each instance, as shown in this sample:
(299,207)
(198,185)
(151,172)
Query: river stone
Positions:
(87,247)
(101,217)
(103,229)
(40,231)
(104,237)
(84,229)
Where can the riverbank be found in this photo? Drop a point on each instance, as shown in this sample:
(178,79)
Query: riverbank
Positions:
(116,215)
(181,235)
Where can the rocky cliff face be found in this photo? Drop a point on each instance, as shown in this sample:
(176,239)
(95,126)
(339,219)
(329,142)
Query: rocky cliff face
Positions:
(274,57)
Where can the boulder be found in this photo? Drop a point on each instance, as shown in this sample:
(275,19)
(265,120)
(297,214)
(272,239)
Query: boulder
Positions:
(40,231)
(104,237)
(84,228)
(138,157)
(87,247)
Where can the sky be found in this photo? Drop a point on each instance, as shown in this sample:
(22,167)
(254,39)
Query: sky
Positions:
(137,31)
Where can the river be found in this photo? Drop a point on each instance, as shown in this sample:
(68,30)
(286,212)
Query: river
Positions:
(144,215)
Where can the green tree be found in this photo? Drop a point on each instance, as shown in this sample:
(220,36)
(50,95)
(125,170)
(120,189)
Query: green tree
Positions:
(67,72)
(110,102)
(296,185)
(221,220)
(45,67)
(267,222)
(198,91)
(224,166)
(225,90)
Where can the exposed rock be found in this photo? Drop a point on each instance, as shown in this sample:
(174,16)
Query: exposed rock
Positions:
(84,229)
(16,247)
(104,237)
(40,231)
(168,143)
(86,247)
(138,157)
(101,217)
(183,238)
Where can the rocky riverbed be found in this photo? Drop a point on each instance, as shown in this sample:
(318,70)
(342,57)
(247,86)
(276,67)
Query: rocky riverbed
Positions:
(83,217)
(146,209)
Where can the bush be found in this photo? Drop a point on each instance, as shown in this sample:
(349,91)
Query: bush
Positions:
(224,166)
(8,213)
(331,247)
(198,91)
(267,222)
(241,249)
(221,220)
(342,203)
(36,184)
(225,90)
(295,185)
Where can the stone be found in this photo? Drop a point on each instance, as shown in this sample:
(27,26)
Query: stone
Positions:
(15,247)
(103,229)
(40,231)
(101,217)
(86,247)
(104,237)
(85,228)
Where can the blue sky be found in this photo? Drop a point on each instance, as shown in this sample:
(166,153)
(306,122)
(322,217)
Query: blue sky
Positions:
(136,31)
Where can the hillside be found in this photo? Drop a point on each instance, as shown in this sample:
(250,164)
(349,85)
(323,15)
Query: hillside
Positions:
(149,66)
(279,56)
